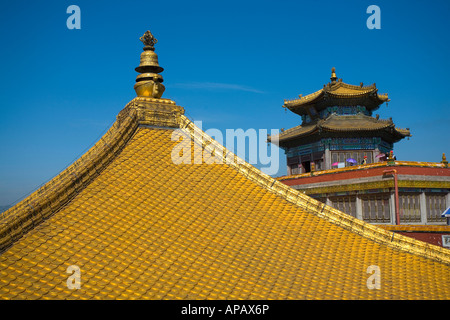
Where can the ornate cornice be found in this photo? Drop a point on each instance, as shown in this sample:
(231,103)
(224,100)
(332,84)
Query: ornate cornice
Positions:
(155,112)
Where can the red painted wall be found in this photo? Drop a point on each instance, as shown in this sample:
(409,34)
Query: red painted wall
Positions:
(433,238)
(370,172)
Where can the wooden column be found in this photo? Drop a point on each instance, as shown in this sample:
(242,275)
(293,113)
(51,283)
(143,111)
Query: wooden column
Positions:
(423,208)
(327,159)
(359,208)
(392,207)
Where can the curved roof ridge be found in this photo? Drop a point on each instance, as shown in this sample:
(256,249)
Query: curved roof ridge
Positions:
(303,99)
(294,131)
(312,96)
(333,122)
(287,131)
(49,198)
(349,94)
(354,89)
(367,230)
(358,115)
(353,86)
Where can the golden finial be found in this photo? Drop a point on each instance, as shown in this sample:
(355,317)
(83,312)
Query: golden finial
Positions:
(148,40)
(333,75)
(444,160)
(149,82)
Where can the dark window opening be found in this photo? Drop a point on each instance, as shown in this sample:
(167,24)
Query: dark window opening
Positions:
(306,166)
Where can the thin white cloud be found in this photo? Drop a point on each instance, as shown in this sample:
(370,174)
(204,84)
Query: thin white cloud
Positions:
(215,86)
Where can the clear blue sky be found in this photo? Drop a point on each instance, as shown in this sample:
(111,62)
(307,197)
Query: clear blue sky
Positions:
(228,63)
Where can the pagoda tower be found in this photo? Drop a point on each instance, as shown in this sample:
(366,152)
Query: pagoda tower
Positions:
(338,128)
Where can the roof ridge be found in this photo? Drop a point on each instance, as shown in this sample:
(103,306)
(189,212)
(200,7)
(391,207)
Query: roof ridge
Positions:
(367,230)
(302,98)
(61,189)
(353,86)
(363,89)
(359,115)
(293,128)
(48,199)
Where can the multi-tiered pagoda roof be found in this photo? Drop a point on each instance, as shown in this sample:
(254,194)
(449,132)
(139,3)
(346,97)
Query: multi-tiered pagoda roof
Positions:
(341,126)
(340,110)
(337,93)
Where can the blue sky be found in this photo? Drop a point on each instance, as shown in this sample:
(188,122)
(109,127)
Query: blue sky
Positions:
(230,64)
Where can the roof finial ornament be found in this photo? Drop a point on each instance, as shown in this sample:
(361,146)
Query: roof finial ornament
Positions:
(444,160)
(148,40)
(333,75)
(149,82)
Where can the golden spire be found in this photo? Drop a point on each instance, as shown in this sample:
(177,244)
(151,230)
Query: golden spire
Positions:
(444,160)
(333,75)
(149,82)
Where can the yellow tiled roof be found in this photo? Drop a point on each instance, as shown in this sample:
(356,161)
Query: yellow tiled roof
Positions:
(143,227)
(337,90)
(343,123)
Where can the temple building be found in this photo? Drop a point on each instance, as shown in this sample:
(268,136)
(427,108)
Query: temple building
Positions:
(343,156)
(338,128)
(125,221)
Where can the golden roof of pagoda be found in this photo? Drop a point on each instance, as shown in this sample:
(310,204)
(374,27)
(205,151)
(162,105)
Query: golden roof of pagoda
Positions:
(139,226)
(337,92)
(344,123)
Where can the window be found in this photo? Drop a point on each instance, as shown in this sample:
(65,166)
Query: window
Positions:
(306,166)
(341,157)
(334,157)
(376,208)
(409,207)
(345,204)
(358,155)
(361,155)
(436,204)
